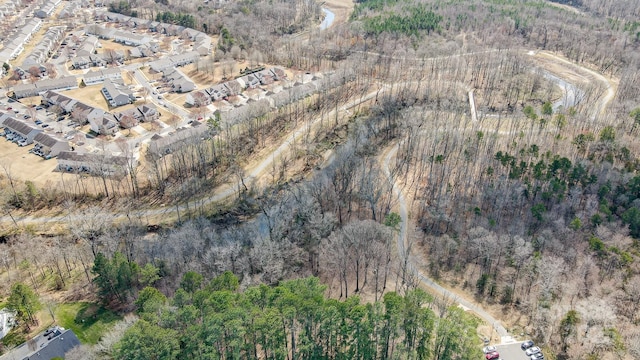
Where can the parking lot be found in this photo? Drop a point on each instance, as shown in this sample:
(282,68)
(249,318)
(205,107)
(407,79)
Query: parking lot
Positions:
(511,352)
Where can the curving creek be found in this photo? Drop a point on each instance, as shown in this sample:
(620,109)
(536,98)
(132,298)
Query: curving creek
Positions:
(572,95)
(328,19)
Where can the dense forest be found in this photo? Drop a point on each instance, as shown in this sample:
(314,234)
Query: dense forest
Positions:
(291,320)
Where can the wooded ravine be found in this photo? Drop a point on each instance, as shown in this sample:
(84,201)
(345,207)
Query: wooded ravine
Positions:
(509,127)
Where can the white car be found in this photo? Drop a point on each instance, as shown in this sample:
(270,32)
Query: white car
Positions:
(532,350)
(537,356)
(488,349)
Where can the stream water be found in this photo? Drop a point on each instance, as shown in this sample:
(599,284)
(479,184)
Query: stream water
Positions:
(328,19)
(572,95)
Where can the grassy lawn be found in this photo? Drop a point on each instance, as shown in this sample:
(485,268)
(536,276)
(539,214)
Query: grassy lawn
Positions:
(89,95)
(87,320)
(27,166)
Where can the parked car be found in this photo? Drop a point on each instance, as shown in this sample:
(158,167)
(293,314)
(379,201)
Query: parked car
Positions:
(55,333)
(489,349)
(38,122)
(22,143)
(532,350)
(492,356)
(27,116)
(537,356)
(45,125)
(527,344)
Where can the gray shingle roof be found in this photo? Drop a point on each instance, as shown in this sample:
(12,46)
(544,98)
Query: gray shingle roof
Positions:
(46,140)
(43,348)
(19,126)
(44,85)
(57,347)
(160,144)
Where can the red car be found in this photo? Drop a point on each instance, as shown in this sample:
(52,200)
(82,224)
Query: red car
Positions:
(492,355)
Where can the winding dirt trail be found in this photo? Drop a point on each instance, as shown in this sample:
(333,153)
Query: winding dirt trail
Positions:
(566,69)
(253,171)
(402,239)
(256,170)
(425,280)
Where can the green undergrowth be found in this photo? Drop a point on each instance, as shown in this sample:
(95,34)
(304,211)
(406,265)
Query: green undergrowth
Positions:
(87,320)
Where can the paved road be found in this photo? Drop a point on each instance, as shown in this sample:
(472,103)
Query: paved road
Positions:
(142,80)
(512,352)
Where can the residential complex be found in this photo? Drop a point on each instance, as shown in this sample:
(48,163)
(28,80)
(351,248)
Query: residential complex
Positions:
(85,102)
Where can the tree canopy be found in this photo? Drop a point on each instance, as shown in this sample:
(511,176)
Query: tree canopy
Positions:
(294,318)
(115,278)
(24,301)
